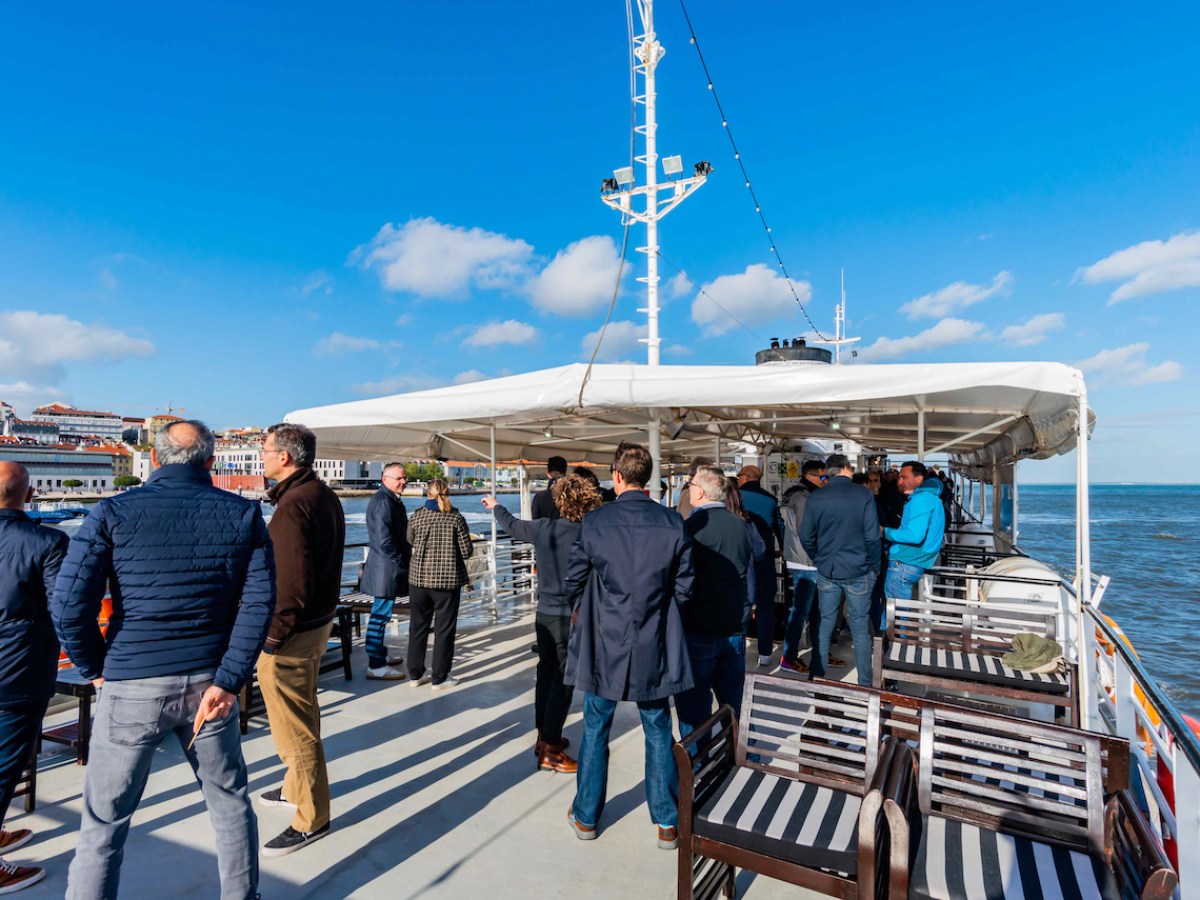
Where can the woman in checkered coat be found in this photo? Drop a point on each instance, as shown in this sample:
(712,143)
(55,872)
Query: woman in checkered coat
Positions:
(441,546)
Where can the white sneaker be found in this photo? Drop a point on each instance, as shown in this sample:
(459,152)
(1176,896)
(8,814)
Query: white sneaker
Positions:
(448,683)
(385,673)
(764,661)
(417,682)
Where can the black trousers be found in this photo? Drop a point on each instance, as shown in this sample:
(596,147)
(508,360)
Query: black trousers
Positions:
(19,728)
(439,609)
(551,698)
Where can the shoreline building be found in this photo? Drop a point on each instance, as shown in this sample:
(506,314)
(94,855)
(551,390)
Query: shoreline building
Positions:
(75,425)
(50,466)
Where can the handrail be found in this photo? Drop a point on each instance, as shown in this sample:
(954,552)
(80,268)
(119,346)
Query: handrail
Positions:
(1185,739)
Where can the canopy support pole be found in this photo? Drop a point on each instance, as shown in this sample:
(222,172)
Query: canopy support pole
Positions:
(921,435)
(494,561)
(655,484)
(717,451)
(1084,556)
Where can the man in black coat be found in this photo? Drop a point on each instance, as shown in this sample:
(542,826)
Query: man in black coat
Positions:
(385,573)
(629,573)
(30,557)
(841,535)
(543,501)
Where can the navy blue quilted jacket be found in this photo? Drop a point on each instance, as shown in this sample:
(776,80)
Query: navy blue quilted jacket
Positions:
(30,556)
(192,577)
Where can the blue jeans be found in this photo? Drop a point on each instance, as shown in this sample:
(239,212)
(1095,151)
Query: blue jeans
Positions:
(381,614)
(900,581)
(804,588)
(719,667)
(662,779)
(132,720)
(19,728)
(857,594)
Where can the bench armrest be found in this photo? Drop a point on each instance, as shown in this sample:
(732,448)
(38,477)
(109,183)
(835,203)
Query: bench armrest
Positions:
(1134,853)
(703,758)
(897,787)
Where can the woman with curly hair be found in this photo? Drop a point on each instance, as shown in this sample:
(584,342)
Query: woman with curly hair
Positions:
(441,546)
(552,539)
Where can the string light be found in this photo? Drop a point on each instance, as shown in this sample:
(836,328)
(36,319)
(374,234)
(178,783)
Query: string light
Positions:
(695,42)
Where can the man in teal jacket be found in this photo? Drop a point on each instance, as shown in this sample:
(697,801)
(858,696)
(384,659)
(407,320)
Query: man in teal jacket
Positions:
(915,545)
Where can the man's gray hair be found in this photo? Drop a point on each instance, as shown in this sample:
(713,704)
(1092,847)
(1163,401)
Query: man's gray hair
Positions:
(297,441)
(712,481)
(170,448)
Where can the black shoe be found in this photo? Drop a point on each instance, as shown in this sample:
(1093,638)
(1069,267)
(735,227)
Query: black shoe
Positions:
(275,798)
(292,840)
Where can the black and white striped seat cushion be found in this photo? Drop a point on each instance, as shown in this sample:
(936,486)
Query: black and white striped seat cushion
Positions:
(802,823)
(971,667)
(958,861)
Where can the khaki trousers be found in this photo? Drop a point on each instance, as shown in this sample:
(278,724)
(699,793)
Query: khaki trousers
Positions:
(288,682)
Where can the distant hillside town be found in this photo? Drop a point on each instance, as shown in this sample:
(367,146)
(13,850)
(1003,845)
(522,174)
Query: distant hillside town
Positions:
(70,450)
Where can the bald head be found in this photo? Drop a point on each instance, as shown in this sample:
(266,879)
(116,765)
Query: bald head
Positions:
(14,485)
(189,443)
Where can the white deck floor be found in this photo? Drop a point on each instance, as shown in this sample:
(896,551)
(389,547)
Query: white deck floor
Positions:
(434,795)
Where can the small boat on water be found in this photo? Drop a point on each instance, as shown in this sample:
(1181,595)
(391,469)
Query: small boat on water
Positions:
(986,419)
(56,512)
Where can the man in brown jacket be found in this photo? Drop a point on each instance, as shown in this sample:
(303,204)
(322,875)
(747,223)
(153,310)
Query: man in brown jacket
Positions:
(308,530)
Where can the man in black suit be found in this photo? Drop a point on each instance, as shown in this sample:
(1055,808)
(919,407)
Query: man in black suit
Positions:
(543,501)
(629,573)
(385,573)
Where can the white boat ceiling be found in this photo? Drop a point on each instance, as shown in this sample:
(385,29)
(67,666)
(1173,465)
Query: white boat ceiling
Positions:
(983,413)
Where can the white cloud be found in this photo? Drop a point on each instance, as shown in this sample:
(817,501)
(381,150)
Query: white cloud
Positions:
(958,295)
(468,377)
(754,297)
(1033,331)
(945,333)
(494,334)
(678,286)
(397,384)
(317,281)
(579,279)
(1150,267)
(1128,364)
(621,339)
(24,396)
(337,343)
(431,259)
(35,347)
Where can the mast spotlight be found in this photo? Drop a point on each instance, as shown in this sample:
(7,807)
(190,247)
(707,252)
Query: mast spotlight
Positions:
(672,165)
(623,175)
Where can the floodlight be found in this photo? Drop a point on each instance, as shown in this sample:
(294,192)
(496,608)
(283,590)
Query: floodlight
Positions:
(548,432)
(623,175)
(672,165)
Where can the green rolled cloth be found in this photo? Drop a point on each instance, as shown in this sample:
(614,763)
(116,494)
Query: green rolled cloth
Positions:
(1033,653)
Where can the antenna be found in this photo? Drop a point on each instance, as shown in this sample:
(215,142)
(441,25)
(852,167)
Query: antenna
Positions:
(839,327)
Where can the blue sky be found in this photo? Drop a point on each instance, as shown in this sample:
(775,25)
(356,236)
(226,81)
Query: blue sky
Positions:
(245,209)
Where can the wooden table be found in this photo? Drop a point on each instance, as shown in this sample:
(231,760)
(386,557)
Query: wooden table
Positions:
(77,734)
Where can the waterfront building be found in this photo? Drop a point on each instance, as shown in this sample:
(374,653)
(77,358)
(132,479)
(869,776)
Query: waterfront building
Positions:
(51,466)
(76,424)
(121,456)
(25,430)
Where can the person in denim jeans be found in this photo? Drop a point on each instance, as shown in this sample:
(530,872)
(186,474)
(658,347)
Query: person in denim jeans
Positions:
(916,544)
(192,576)
(841,535)
(713,618)
(629,573)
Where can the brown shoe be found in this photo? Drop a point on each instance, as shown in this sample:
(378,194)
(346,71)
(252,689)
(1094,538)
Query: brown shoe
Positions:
(557,761)
(11,840)
(583,832)
(14,878)
(668,837)
(837,663)
(542,746)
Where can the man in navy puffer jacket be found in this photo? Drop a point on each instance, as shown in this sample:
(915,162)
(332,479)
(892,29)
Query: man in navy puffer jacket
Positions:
(191,573)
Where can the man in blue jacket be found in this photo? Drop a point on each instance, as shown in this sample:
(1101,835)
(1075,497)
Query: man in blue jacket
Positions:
(191,573)
(385,573)
(840,533)
(629,573)
(915,545)
(30,556)
(763,509)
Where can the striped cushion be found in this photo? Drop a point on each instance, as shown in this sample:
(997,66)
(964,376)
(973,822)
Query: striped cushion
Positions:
(970,667)
(958,861)
(802,823)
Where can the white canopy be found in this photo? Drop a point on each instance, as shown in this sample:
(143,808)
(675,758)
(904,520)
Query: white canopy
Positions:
(983,413)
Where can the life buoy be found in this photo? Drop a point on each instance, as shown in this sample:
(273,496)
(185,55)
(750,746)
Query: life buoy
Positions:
(1166,784)
(1109,650)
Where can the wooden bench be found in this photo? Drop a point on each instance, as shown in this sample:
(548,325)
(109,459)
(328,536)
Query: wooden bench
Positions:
(956,645)
(1004,807)
(792,792)
(78,734)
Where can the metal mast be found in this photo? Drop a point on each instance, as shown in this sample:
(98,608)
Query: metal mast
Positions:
(620,190)
(839,327)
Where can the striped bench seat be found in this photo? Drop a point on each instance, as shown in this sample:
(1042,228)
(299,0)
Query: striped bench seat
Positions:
(909,657)
(782,818)
(961,861)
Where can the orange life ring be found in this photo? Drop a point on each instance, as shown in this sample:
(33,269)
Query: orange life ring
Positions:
(1109,650)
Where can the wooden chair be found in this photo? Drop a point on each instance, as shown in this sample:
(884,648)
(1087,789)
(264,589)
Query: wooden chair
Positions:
(957,644)
(792,792)
(1003,807)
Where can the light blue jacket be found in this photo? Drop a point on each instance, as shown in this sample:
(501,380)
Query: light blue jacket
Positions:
(918,540)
